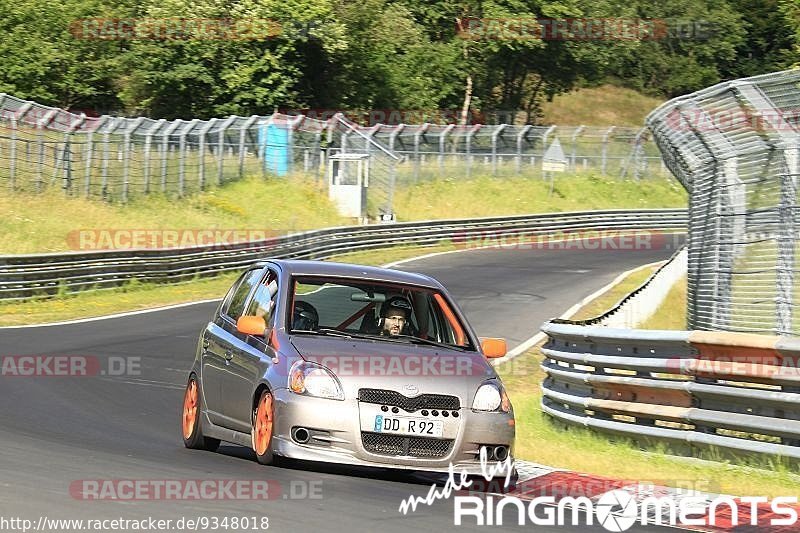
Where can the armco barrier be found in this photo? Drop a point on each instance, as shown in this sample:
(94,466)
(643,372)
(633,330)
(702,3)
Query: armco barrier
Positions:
(735,391)
(25,276)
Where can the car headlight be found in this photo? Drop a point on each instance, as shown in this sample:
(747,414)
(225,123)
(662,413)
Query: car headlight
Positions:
(491,397)
(314,380)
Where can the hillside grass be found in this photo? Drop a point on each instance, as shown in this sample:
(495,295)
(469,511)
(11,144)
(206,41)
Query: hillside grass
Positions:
(49,222)
(606,105)
(34,223)
(485,196)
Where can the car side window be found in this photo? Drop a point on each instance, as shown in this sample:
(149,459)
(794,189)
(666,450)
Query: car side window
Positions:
(263,302)
(235,306)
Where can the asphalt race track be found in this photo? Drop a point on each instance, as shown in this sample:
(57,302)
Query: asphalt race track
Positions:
(57,431)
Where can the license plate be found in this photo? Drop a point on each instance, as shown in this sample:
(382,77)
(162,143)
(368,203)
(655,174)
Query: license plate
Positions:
(408,426)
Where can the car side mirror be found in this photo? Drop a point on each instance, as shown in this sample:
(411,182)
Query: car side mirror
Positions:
(251,325)
(493,348)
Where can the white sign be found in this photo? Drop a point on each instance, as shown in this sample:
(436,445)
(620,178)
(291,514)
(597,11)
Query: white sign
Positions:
(554,159)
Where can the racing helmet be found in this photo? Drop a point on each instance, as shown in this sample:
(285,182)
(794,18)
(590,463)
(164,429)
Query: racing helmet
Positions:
(393,303)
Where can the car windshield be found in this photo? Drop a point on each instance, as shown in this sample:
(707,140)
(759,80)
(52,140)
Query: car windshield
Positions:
(380,311)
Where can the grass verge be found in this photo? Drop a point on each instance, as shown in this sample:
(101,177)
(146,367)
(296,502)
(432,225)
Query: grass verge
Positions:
(671,314)
(614,294)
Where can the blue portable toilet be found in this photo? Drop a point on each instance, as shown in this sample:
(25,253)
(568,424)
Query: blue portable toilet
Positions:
(275,146)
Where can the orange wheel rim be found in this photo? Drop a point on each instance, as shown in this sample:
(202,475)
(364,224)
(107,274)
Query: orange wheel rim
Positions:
(190,409)
(263,424)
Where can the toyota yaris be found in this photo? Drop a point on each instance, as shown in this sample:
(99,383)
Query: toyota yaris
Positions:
(348,364)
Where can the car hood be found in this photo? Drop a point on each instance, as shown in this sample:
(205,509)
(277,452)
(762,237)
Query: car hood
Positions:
(403,367)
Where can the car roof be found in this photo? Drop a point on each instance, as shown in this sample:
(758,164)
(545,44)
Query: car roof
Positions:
(345,270)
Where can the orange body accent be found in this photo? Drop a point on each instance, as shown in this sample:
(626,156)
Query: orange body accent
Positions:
(273,341)
(493,348)
(251,325)
(355,316)
(461,338)
(190,409)
(264,418)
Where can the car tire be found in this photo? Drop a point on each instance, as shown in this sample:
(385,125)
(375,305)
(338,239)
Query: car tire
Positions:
(190,419)
(262,430)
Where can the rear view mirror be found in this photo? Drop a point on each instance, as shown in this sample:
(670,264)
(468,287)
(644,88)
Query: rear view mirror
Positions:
(493,348)
(367,298)
(251,325)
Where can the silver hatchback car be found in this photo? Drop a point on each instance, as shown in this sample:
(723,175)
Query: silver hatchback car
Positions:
(347,364)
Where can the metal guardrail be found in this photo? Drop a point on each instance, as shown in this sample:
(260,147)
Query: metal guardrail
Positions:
(734,391)
(26,276)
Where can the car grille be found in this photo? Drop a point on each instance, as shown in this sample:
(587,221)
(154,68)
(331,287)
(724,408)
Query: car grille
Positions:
(412,446)
(423,401)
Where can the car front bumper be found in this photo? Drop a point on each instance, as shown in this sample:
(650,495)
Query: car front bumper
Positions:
(336,434)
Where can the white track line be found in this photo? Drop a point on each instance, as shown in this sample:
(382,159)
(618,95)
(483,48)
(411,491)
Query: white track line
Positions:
(116,315)
(541,336)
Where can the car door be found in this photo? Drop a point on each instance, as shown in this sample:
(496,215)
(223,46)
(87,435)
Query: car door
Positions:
(250,358)
(217,342)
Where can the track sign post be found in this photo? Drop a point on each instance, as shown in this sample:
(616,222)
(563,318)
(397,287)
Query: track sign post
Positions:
(554,160)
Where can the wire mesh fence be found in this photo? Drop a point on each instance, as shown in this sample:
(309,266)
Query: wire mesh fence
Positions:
(735,147)
(118,159)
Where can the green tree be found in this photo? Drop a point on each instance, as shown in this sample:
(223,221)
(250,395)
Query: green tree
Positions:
(245,72)
(768,43)
(47,58)
(790,12)
(698,49)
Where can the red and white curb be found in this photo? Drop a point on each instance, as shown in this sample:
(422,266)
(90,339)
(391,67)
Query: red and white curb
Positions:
(537,480)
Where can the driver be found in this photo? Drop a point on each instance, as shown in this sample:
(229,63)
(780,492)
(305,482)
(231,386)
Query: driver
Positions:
(396,313)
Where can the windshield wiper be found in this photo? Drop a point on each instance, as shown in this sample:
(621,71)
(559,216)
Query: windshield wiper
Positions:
(322,331)
(429,342)
(337,333)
